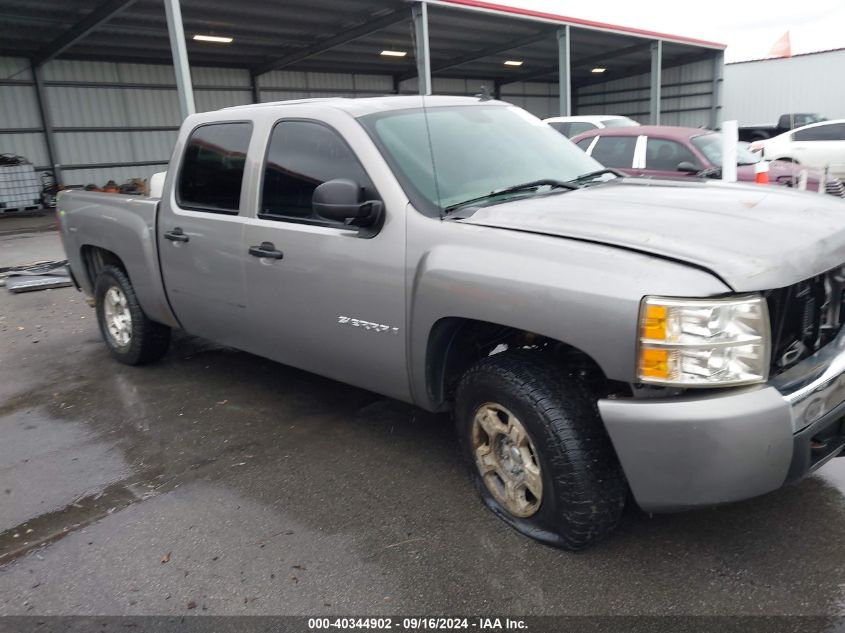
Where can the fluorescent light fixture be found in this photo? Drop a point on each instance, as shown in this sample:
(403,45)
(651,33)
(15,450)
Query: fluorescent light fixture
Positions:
(513,62)
(394,53)
(213,38)
(598,70)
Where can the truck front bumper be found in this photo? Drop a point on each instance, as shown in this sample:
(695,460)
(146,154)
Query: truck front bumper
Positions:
(710,447)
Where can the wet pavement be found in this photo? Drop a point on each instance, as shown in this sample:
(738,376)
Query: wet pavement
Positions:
(217,482)
(28,237)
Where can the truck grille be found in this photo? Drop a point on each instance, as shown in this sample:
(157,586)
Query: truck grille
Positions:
(835,187)
(805,317)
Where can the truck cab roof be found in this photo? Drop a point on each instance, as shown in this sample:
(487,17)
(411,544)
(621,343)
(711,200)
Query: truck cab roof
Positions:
(370,105)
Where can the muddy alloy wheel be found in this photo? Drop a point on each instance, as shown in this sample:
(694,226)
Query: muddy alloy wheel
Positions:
(537,450)
(132,338)
(507,460)
(118,318)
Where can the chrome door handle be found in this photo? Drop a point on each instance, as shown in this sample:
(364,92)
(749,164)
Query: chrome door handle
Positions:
(266,249)
(176,235)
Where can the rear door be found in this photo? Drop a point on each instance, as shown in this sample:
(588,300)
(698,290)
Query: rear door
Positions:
(821,146)
(200,233)
(330,298)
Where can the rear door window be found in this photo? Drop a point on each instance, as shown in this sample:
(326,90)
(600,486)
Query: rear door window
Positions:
(831,132)
(212,170)
(615,151)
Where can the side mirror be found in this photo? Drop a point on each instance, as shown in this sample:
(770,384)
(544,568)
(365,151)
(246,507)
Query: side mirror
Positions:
(340,200)
(687,167)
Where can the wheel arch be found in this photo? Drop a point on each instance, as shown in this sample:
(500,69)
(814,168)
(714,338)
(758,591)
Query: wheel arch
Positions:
(456,343)
(143,274)
(95,258)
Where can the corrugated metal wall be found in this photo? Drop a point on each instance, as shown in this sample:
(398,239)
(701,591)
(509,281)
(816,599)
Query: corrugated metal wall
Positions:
(19,116)
(113,121)
(804,83)
(686,96)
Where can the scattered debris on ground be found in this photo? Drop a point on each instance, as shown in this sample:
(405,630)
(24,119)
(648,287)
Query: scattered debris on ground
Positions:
(35,276)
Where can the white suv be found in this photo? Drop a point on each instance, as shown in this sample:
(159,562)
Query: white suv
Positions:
(818,145)
(571,126)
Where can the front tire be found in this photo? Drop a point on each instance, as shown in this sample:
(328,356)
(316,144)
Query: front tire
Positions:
(132,338)
(538,451)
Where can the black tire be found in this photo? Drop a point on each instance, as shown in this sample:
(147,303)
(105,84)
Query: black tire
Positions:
(583,486)
(148,340)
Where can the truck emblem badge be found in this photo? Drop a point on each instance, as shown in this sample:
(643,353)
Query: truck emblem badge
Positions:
(367,325)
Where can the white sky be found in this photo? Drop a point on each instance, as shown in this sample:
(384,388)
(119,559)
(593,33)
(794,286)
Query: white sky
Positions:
(749,27)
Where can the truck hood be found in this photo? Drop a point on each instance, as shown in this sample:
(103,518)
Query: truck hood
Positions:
(753,237)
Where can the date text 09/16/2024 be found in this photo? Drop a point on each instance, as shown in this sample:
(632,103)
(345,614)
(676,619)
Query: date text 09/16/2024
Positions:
(417,623)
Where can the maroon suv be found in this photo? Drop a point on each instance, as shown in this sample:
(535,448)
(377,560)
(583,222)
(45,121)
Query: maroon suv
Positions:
(665,150)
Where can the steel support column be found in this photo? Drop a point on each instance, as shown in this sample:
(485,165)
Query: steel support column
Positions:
(564,72)
(46,121)
(656,76)
(180,57)
(255,87)
(716,98)
(423,54)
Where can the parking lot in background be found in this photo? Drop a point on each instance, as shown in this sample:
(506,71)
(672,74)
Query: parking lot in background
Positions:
(217,482)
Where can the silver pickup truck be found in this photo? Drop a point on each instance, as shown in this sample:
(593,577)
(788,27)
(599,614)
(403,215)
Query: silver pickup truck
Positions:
(595,336)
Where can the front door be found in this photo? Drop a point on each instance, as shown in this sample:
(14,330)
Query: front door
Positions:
(325,297)
(664,156)
(200,234)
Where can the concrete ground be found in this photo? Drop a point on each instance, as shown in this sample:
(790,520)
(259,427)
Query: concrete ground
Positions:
(217,482)
(28,237)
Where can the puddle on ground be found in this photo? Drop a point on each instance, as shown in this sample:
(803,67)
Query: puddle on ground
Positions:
(47,463)
(55,474)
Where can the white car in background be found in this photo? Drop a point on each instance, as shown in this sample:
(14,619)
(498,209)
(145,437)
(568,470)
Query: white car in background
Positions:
(571,126)
(819,145)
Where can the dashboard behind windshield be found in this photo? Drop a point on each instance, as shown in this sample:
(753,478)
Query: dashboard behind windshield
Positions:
(711,146)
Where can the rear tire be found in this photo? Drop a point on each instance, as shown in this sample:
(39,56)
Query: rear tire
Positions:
(562,484)
(132,338)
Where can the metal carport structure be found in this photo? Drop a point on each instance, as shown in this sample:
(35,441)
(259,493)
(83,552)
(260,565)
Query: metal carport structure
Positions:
(444,42)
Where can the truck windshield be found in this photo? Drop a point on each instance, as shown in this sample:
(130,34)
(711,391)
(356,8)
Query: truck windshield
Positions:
(711,146)
(451,154)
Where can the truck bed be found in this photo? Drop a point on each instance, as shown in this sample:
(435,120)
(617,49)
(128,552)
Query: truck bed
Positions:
(97,226)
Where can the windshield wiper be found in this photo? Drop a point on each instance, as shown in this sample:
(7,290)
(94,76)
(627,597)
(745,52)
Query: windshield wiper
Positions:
(710,172)
(595,174)
(526,186)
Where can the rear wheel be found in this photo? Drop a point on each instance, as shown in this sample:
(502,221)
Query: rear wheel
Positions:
(538,451)
(131,336)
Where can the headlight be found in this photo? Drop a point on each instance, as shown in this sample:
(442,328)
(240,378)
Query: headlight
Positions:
(703,342)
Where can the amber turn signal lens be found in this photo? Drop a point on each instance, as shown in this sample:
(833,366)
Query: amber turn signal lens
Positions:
(654,324)
(654,363)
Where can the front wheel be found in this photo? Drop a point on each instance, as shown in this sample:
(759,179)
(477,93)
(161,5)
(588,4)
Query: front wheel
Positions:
(538,451)
(131,336)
